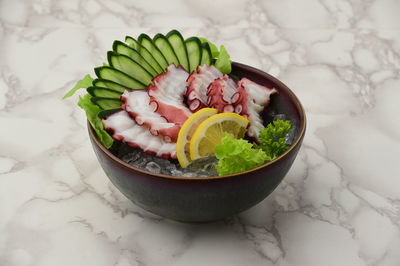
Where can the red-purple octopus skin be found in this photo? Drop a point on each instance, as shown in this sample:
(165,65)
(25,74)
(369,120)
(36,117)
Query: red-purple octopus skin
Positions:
(220,92)
(137,104)
(125,129)
(198,82)
(166,95)
(249,101)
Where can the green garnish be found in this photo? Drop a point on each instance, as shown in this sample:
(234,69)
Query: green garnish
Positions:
(91,110)
(84,83)
(92,113)
(272,138)
(224,63)
(213,47)
(237,155)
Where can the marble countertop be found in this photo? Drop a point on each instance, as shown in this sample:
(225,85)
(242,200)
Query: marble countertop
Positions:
(338,205)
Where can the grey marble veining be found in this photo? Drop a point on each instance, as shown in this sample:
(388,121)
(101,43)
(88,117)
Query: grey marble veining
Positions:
(338,205)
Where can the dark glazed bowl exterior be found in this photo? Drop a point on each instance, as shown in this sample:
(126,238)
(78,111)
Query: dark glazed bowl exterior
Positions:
(207,199)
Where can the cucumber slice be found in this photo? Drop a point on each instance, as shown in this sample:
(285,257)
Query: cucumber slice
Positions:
(177,42)
(109,84)
(119,77)
(103,92)
(106,113)
(193,47)
(166,49)
(130,67)
(147,43)
(106,103)
(121,48)
(145,53)
(132,42)
(206,54)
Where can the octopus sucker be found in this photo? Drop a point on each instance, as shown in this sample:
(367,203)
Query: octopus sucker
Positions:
(249,100)
(198,83)
(220,92)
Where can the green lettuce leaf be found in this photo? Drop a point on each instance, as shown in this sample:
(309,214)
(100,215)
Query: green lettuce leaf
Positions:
(213,47)
(83,83)
(92,112)
(272,138)
(237,155)
(224,63)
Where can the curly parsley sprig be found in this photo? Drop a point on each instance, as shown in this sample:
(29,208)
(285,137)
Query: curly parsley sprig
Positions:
(273,138)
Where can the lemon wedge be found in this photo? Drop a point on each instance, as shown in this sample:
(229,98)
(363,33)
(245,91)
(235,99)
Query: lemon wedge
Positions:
(186,132)
(208,134)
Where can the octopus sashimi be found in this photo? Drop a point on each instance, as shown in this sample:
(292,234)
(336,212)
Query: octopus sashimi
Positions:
(166,95)
(220,93)
(249,101)
(137,104)
(125,129)
(198,83)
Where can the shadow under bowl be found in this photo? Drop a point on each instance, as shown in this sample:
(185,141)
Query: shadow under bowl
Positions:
(188,199)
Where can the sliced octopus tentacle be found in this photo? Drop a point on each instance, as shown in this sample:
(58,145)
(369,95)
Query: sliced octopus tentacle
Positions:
(125,129)
(198,83)
(137,104)
(166,95)
(249,101)
(220,93)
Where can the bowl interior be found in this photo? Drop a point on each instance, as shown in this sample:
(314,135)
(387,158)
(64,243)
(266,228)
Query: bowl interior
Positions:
(284,103)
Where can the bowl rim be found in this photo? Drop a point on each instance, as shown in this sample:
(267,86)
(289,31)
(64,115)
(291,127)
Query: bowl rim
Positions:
(194,179)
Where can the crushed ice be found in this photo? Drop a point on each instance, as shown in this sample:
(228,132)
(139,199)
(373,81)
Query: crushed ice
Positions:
(204,167)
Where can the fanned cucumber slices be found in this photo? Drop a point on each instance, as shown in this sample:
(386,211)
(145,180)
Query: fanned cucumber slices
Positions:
(166,49)
(133,64)
(147,43)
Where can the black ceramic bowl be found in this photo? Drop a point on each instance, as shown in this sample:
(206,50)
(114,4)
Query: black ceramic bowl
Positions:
(212,198)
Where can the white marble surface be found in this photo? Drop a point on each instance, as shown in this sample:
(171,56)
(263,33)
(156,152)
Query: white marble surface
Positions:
(339,204)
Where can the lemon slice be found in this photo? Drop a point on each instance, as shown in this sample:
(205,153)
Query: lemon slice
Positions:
(208,134)
(186,132)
